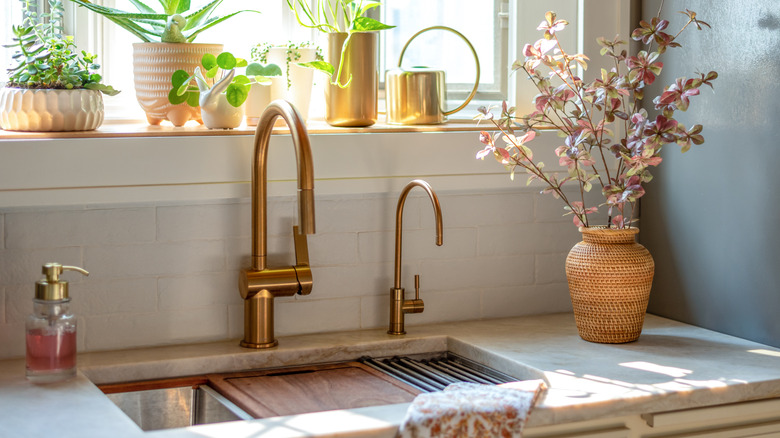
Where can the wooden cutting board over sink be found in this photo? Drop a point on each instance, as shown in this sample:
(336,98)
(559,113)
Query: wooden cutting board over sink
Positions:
(315,388)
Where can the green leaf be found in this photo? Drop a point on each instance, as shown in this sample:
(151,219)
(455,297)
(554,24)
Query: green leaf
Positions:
(226,61)
(212,73)
(363,24)
(322,66)
(236,94)
(208,61)
(103,88)
(193,99)
(180,77)
(175,99)
(182,89)
(256,69)
(241,80)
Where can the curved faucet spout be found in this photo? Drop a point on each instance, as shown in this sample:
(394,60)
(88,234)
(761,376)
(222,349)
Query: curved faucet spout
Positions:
(300,138)
(399,214)
(260,284)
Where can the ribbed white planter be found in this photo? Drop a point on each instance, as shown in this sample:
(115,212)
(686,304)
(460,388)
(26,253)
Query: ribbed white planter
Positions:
(153,65)
(47,110)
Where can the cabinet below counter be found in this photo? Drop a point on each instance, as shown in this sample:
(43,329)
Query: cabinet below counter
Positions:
(676,380)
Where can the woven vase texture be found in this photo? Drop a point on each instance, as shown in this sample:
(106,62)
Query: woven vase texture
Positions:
(609,277)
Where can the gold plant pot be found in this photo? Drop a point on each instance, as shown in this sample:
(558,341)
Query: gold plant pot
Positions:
(610,276)
(355,105)
(153,66)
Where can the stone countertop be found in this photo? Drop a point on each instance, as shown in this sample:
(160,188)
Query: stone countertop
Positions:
(672,366)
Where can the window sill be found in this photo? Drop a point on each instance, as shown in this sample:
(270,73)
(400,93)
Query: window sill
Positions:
(123,128)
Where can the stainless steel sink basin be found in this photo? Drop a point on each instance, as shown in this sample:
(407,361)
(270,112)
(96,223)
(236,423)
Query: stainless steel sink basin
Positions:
(168,408)
(190,401)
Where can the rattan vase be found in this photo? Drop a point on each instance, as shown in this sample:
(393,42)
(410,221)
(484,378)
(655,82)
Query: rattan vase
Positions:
(609,277)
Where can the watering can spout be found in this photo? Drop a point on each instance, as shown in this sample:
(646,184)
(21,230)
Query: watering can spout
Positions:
(208,95)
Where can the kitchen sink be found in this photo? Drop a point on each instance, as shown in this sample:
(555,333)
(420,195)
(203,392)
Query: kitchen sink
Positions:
(173,407)
(273,392)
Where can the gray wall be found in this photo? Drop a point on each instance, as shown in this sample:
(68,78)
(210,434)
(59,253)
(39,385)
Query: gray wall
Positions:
(710,216)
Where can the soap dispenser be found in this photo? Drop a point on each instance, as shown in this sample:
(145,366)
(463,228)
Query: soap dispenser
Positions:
(51,329)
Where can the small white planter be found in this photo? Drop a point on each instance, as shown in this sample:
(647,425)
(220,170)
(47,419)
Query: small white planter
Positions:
(46,110)
(221,114)
(300,80)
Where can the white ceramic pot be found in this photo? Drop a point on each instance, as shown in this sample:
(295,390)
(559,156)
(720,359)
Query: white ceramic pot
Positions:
(259,98)
(153,66)
(47,110)
(221,114)
(300,78)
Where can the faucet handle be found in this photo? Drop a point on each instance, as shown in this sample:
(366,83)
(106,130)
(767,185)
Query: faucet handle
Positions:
(301,248)
(416,286)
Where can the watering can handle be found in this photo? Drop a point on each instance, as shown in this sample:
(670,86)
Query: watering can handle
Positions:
(473,52)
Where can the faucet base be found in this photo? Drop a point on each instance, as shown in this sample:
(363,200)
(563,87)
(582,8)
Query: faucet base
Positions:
(246,344)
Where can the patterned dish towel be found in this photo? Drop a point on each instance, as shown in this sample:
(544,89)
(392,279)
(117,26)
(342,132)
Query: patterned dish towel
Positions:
(472,410)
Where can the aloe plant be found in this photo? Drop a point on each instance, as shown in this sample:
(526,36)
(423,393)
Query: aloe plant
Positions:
(175,24)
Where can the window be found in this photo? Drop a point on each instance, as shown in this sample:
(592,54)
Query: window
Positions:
(496,28)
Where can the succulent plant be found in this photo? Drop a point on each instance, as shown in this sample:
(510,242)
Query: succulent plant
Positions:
(46,58)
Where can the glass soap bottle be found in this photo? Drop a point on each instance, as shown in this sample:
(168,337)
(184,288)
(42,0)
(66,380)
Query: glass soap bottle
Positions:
(51,329)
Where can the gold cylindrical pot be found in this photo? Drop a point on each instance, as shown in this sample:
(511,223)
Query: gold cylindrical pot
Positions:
(153,66)
(355,105)
(415,96)
(609,276)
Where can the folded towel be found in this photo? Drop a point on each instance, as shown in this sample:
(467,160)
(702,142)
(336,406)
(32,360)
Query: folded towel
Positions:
(471,410)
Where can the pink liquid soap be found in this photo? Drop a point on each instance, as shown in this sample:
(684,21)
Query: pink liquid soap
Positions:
(52,355)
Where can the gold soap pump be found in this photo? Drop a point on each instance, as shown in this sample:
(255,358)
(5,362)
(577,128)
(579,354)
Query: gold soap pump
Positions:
(51,328)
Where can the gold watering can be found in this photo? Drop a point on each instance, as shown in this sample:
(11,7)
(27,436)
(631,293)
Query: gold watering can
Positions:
(417,95)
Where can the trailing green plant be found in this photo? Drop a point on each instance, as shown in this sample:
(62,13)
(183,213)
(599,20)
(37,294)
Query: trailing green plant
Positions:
(175,24)
(331,16)
(293,53)
(46,58)
(215,68)
(583,113)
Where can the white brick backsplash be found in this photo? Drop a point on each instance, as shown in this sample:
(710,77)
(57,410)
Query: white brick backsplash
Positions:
(474,210)
(135,330)
(375,311)
(551,268)
(165,274)
(351,281)
(23,266)
(442,275)
(525,300)
(452,305)
(155,259)
(527,238)
(307,315)
(355,215)
(333,249)
(54,229)
(196,291)
(12,342)
(418,244)
(129,295)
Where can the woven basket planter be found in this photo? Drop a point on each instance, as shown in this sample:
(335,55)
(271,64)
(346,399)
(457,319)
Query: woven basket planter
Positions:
(609,277)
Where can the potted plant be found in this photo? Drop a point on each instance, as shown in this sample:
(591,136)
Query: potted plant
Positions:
(296,81)
(167,45)
(52,87)
(351,95)
(609,274)
(222,104)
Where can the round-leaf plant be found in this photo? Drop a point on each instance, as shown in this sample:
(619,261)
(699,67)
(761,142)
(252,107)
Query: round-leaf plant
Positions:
(216,67)
(584,113)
